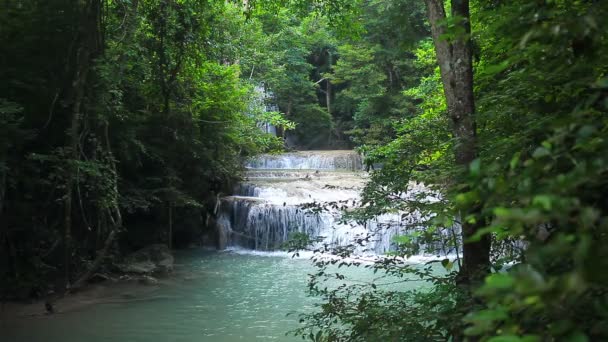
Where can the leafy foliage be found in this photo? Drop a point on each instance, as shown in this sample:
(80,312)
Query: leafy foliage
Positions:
(164,124)
(148,111)
(541,122)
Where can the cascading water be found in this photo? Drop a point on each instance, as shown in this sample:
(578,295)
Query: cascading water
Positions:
(261,102)
(280,193)
(309,160)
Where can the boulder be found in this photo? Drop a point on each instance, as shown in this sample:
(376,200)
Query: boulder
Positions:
(148,260)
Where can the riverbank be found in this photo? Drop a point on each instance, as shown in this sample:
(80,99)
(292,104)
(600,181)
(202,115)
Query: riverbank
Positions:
(115,290)
(137,274)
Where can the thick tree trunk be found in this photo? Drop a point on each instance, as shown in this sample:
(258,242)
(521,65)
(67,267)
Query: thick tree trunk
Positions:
(456,65)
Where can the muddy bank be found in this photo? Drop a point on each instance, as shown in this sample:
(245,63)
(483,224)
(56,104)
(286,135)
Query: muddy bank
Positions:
(109,291)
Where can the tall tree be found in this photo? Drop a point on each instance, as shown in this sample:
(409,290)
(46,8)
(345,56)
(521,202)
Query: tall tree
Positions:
(454,54)
(88,47)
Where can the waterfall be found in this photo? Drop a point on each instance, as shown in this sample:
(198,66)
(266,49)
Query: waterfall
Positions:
(280,193)
(265,226)
(262,102)
(309,160)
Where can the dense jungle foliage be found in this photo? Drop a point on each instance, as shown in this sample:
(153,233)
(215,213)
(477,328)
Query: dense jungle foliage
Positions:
(122,121)
(517,166)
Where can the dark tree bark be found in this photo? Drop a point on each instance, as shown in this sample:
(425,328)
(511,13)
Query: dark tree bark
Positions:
(112,213)
(170,239)
(456,65)
(88,47)
(328,84)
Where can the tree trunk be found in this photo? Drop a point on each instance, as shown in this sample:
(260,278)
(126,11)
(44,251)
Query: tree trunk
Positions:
(328,84)
(115,217)
(456,65)
(170,240)
(13,261)
(2,190)
(96,263)
(88,36)
(328,96)
(78,85)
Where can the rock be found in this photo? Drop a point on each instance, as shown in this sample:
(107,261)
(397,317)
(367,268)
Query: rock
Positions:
(147,280)
(49,308)
(98,278)
(142,267)
(223,229)
(151,259)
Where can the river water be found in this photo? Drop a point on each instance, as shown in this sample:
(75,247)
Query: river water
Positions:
(212,296)
(246,292)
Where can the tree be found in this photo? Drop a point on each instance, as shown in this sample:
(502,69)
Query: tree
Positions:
(452,39)
(526,178)
(122,121)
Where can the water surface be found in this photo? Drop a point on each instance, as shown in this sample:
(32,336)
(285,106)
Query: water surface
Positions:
(212,296)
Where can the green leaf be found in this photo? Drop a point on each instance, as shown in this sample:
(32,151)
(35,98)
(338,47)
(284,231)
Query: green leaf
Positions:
(499,281)
(494,69)
(447,264)
(505,338)
(515,160)
(544,201)
(577,337)
(475,167)
(540,152)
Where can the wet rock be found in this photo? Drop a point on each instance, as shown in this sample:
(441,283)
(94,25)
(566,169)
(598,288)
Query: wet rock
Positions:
(98,278)
(222,227)
(49,308)
(147,280)
(151,259)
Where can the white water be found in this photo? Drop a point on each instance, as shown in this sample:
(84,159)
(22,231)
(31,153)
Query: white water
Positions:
(262,103)
(271,204)
(309,160)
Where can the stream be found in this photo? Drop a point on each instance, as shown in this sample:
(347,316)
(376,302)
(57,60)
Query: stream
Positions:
(246,292)
(213,296)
